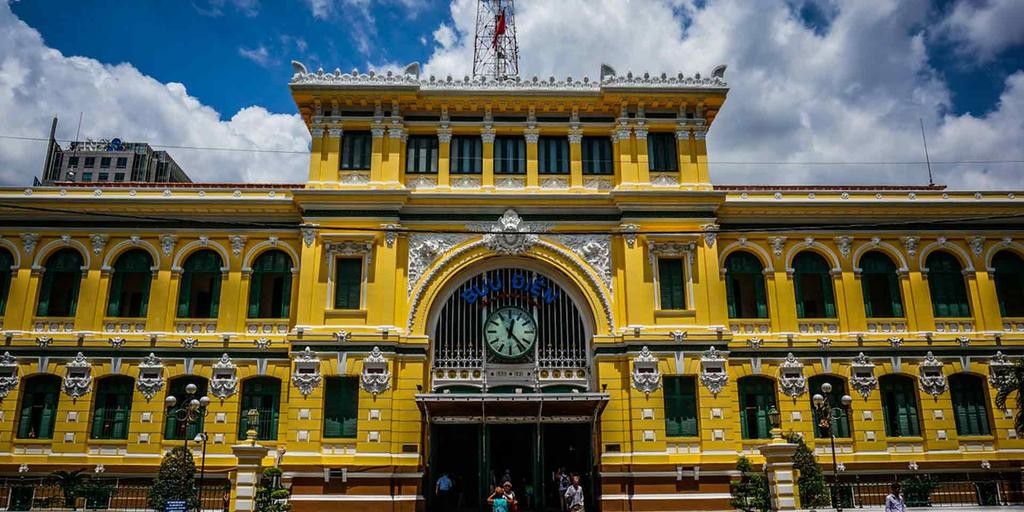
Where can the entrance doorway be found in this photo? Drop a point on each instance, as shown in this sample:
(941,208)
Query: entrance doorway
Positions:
(479,457)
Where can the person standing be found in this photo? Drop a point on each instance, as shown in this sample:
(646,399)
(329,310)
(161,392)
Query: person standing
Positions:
(894,501)
(562,479)
(510,496)
(443,491)
(497,500)
(574,495)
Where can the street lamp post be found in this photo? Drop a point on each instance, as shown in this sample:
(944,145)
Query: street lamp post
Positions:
(201,438)
(827,411)
(191,411)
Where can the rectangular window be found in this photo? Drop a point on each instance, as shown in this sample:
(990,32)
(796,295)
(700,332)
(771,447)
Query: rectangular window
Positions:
(670,283)
(597,155)
(119,176)
(105,162)
(104,176)
(509,155)
(421,154)
(341,407)
(467,155)
(356,148)
(73,161)
(348,283)
(90,162)
(86,176)
(680,406)
(553,155)
(122,162)
(661,152)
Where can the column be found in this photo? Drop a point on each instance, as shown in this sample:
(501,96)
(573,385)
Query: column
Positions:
(487,136)
(444,153)
(643,169)
(316,153)
(687,160)
(623,153)
(377,151)
(532,135)
(331,165)
(700,149)
(392,167)
(246,476)
(778,462)
(575,157)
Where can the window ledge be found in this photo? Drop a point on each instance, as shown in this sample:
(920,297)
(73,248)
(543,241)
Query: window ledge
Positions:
(32,441)
(108,442)
(683,439)
(976,438)
(667,313)
(908,439)
(828,440)
(346,313)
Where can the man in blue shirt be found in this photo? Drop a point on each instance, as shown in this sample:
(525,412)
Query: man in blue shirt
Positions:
(443,491)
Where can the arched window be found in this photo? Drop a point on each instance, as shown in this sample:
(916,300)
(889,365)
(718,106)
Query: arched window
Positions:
(744,286)
(270,287)
(6,274)
(264,395)
(757,396)
(840,420)
(946,284)
(970,404)
(62,276)
(199,295)
(813,287)
(881,286)
(129,284)
(40,395)
(899,406)
(173,428)
(111,411)
(1009,278)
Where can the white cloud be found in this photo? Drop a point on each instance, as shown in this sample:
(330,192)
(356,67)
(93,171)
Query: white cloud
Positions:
(119,101)
(985,28)
(851,92)
(260,55)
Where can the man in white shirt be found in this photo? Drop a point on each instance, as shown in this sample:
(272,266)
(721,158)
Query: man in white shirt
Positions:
(894,501)
(574,495)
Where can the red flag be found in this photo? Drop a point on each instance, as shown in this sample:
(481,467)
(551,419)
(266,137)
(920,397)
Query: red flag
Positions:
(499,29)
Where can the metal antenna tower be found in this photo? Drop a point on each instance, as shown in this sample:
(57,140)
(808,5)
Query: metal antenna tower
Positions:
(495,49)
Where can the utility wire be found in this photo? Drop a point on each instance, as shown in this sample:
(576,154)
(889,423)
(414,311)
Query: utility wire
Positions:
(483,231)
(715,162)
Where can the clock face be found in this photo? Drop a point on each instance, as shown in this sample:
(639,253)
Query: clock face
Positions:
(510,332)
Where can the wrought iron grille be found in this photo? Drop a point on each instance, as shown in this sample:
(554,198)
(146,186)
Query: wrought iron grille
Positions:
(459,336)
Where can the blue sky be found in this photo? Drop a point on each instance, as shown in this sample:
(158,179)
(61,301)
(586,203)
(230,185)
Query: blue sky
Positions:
(811,80)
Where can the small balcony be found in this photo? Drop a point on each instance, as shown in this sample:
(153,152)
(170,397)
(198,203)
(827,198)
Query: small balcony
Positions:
(53,324)
(817,325)
(887,325)
(115,325)
(750,326)
(954,325)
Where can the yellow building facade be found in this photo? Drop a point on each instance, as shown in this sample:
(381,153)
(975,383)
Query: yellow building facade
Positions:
(496,280)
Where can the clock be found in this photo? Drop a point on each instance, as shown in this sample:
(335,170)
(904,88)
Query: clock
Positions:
(510,332)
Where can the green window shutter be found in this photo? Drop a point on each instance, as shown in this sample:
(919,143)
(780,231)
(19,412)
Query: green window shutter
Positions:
(6,274)
(680,406)
(348,283)
(25,415)
(49,414)
(946,286)
(45,290)
(969,405)
(828,295)
(895,296)
(98,417)
(812,284)
(114,300)
(341,407)
(185,295)
(757,395)
(215,296)
(900,407)
(797,290)
(286,295)
(731,283)
(255,293)
(670,283)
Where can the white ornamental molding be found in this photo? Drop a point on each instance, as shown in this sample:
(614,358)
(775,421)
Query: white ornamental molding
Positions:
(8,374)
(362,248)
(678,336)
(167,243)
(825,343)
(309,235)
(910,243)
(98,242)
(306,375)
(710,234)
(792,382)
(510,235)
(629,234)
(237,244)
(977,244)
(862,375)
(375,378)
(342,336)
(116,342)
(1000,371)
(596,250)
(845,244)
(755,343)
(895,341)
(262,343)
(671,250)
(151,376)
(29,242)
(425,249)
(964,341)
(646,377)
(224,383)
(712,371)
(932,380)
(778,244)
(391,234)
(77,376)
(189,343)
(44,341)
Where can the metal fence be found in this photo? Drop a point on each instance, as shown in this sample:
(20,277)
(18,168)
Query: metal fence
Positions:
(926,492)
(95,494)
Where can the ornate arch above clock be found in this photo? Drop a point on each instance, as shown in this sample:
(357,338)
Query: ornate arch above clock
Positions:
(510,323)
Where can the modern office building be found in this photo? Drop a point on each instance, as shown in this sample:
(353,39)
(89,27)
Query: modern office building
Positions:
(496,279)
(106,161)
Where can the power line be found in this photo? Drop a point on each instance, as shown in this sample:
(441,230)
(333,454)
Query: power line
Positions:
(482,231)
(715,162)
